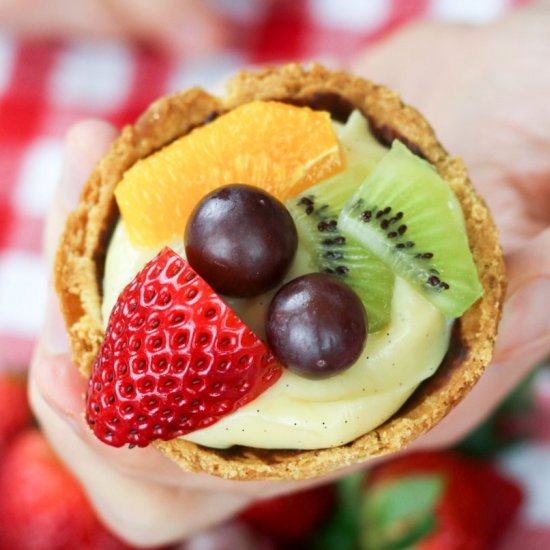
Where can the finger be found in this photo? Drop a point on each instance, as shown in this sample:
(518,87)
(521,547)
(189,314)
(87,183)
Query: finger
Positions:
(60,384)
(85,143)
(525,329)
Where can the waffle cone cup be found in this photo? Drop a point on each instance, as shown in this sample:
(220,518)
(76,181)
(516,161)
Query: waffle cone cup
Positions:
(81,255)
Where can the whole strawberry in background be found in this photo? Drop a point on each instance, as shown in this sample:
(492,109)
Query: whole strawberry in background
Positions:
(436,501)
(15,413)
(42,506)
(292,518)
(422,501)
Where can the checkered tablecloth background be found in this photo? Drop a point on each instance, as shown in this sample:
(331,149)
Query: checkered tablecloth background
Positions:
(45,87)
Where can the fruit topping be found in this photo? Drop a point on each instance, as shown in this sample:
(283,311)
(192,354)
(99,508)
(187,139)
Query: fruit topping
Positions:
(241,240)
(281,148)
(316,326)
(175,358)
(316,214)
(408,216)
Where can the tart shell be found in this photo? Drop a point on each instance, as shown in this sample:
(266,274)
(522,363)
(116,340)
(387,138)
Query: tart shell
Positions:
(81,255)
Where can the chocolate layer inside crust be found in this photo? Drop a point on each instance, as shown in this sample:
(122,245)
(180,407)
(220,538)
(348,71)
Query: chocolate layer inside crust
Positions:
(340,109)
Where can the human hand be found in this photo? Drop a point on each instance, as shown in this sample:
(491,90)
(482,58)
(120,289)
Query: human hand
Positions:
(485,89)
(177,27)
(147,499)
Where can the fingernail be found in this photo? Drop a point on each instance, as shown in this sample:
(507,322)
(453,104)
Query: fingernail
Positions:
(86,142)
(69,192)
(72,179)
(526,317)
(66,199)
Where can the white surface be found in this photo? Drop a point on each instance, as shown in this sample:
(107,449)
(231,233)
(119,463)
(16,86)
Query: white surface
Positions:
(468,11)
(23,292)
(542,381)
(92,75)
(353,15)
(530,465)
(210,73)
(39,176)
(7,55)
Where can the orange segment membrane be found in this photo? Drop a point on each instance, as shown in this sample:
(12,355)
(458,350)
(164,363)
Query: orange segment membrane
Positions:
(278,147)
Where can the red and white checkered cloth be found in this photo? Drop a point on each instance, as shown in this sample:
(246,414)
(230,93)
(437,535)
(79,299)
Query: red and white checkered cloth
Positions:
(45,87)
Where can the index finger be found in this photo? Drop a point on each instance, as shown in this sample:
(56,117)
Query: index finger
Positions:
(85,143)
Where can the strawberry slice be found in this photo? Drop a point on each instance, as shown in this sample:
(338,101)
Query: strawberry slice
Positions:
(175,359)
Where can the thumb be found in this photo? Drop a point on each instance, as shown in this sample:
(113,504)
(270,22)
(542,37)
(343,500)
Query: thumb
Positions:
(525,329)
(85,143)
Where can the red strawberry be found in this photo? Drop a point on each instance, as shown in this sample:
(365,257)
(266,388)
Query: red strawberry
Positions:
(175,359)
(437,501)
(15,413)
(42,506)
(292,517)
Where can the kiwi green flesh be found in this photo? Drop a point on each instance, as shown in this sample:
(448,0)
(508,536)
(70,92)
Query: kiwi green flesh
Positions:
(315,213)
(409,218)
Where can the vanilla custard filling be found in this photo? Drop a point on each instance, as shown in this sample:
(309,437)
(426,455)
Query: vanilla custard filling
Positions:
(299,413)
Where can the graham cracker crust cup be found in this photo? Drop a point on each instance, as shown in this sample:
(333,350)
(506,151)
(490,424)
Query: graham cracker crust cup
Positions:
(80,259)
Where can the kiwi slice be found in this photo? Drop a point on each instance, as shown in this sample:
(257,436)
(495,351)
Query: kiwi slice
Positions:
(315,213)
(407,215)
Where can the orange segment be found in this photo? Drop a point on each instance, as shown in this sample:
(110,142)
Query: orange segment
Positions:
(280,148)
